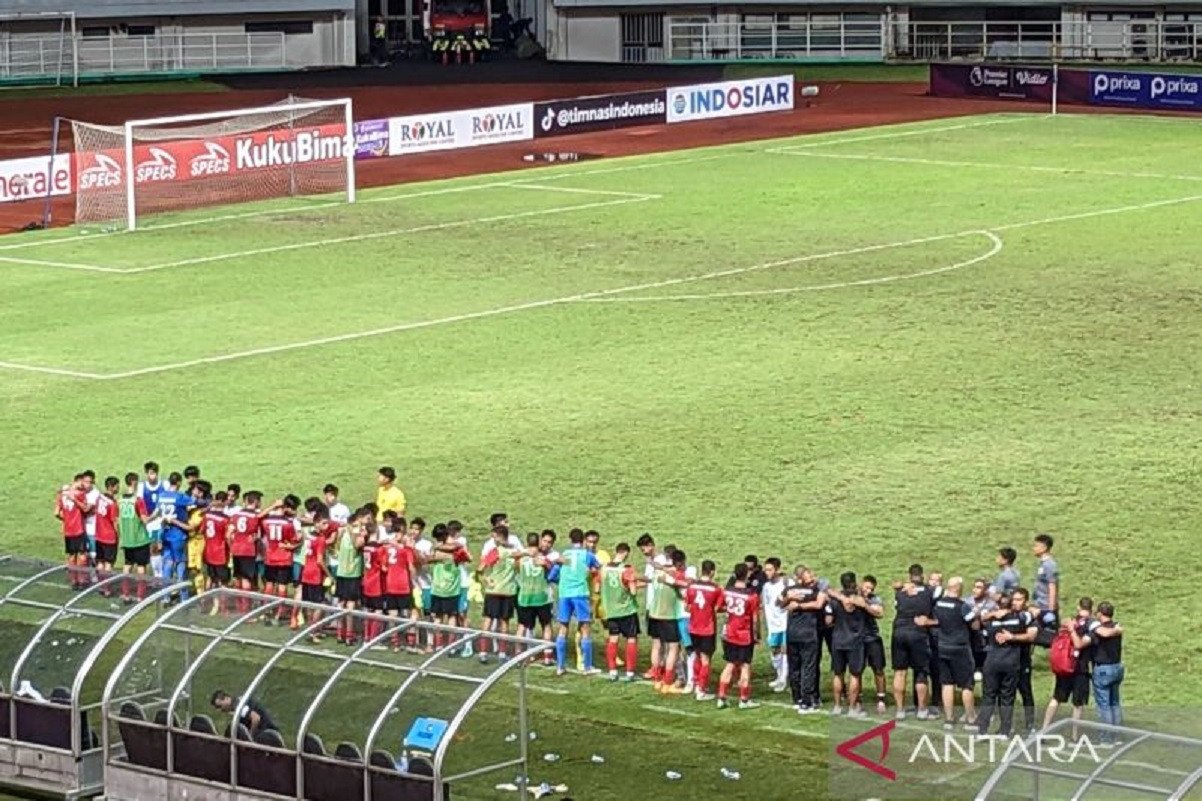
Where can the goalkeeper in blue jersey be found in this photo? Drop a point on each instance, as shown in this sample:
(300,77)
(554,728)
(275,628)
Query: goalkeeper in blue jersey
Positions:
(574,574)
(174,507)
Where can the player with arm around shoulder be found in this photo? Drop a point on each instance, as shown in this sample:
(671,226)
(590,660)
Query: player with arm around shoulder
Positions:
(744,625)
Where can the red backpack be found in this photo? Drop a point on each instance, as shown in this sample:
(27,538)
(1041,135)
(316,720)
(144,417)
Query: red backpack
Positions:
(1062,656)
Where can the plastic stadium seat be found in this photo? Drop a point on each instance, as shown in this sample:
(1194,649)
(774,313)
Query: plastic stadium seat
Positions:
(46,724)
(200,753)
(131,711)
(160,718)
(60,695)
(348,752)
(313,745)
(269,771)
(382,759)
(386,782)
(420,766)
(270,737)
(202,724)
(242,733)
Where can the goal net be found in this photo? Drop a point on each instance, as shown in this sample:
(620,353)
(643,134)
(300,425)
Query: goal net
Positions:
(125,172)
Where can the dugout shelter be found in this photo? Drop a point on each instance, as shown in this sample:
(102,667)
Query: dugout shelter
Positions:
(1158,757)
(375,720)
(56,644)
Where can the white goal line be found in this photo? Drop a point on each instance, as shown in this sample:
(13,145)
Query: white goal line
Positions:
(580,297)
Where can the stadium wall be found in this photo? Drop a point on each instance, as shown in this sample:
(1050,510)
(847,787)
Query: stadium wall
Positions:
(140,36)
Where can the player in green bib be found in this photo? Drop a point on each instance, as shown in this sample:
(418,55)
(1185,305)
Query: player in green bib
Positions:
(576,566)
(534,593)
(135,539)
(619,598)
(662,616)
(348,573)
(446,579)
(499,574)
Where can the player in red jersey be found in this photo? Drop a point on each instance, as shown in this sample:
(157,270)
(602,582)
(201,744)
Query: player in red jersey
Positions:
(398,561)
(70,506)
(106,530)
(372,587)
(246,527)
(703,599)
(215,528)
(282,537)
(744,622)
(314,573)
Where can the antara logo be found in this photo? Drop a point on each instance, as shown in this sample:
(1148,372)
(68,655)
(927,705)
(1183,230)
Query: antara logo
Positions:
(214,161)
(105,173)
(883,732)
(160,167)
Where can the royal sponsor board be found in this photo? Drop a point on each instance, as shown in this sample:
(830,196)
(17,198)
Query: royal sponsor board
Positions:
(1146,90)
(451,130)
(992,80)
(35,177)
(422,133)
(371,139)
(600,113)
(165,162)
(730,98)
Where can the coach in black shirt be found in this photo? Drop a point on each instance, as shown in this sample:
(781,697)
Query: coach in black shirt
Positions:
(806,604)
(957,620)
(1006,634)
(910,646)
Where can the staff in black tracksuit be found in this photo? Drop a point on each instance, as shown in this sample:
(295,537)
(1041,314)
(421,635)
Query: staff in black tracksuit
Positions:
(910,646)
(1006,634)
(806,604)
(957,621)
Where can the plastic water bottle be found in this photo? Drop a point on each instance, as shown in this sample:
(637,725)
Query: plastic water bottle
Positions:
(597,759)
(550,757)
(733,775)
(672,775)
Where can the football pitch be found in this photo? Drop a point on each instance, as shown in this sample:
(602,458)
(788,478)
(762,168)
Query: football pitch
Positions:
(854,350)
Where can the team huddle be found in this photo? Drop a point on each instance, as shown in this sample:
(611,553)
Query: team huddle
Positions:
(319,551)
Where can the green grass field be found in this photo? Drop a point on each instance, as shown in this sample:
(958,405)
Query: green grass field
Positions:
(853,350)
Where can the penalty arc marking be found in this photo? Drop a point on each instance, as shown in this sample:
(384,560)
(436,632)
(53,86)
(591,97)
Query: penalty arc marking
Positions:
(995,249)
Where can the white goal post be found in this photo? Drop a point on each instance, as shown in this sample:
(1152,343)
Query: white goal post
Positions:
(178,163)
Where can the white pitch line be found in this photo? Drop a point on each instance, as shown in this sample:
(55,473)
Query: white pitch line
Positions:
(32,368)
(794,732)
(671,711)
(538,688)
(342,240)
(807,153)
(578,191)
(909,132)
(63,265)
(887,279)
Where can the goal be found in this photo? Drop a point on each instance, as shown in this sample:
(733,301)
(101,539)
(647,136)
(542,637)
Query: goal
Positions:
(124,173)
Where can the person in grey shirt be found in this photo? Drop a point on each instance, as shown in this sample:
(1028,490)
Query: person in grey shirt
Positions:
(1007,580)
(1047,583)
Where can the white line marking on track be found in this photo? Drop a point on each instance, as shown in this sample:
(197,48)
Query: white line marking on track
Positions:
(887,279)
(538,304)
(809,153)
(671,711)
(795,732)
(62,265)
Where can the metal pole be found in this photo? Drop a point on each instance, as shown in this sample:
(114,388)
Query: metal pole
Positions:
(350,152)
(48,206)
(1055,87)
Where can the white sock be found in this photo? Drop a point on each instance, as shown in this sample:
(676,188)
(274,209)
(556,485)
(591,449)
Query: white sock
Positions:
(156,565)
(690,668)
(782,672)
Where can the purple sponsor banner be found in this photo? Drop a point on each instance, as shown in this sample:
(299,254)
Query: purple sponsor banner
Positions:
(371,139)
(1003,82)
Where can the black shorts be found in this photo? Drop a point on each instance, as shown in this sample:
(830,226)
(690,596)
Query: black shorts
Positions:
(139,556)
(106,553)
(666,631)
(737,654)
(850,660)
(313,593)
(218,574)
(441,606)
(396,602)
(499,607)
(874,654)
(911,651)
(705,644)
(531,616)
(75,546)
(279,575)
(372,603)
(1075,687)
(626,626)
(956,667)
(348,590)
(246,568)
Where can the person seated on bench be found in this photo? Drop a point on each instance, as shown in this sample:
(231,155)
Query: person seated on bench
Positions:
(254,717)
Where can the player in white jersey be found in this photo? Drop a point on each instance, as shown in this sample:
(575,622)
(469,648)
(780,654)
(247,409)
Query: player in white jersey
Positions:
(777,619)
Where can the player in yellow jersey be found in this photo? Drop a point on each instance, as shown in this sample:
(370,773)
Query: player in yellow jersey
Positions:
(591,541)
(201,496)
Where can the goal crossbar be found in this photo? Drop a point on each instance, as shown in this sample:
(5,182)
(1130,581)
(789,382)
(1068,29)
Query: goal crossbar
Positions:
(130,126)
